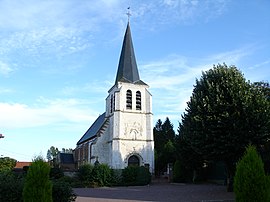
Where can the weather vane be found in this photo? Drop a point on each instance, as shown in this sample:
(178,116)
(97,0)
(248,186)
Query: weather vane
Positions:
(128,13)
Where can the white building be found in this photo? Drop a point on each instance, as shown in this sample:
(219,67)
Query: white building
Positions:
(123,135)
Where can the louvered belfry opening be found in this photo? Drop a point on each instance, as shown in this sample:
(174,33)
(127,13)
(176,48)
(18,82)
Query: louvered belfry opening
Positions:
(129,99)
(138,100)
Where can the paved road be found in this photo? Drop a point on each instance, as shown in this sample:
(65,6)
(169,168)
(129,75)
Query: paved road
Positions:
(156,193)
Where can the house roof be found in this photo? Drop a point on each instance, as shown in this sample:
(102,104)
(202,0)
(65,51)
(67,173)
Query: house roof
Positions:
(66,158)
(22,164)
(127,68)
(93,130)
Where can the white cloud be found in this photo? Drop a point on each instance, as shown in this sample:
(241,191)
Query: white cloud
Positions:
(5,90)
(58,28)
(179,11)
(5,69)
(46,113)
(261,64)
(171,79)
(231,57)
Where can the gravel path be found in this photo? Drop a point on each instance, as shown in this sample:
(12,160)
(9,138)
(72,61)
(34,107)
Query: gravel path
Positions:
(156,192)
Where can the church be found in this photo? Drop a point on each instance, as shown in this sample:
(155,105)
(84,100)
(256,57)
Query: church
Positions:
(123,134)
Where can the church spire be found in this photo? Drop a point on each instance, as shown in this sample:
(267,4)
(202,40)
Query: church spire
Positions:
(127,68)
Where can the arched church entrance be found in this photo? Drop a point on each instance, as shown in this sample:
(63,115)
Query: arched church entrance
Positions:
(133,161)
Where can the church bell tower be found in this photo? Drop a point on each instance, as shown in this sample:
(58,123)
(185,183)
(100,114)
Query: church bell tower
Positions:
(129,111)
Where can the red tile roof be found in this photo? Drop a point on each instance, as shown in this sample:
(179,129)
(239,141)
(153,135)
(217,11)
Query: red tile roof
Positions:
(22,164)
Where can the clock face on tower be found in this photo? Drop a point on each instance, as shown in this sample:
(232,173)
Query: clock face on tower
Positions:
(133,131)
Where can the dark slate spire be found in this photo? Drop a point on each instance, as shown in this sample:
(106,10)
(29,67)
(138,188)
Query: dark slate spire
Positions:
(127,68)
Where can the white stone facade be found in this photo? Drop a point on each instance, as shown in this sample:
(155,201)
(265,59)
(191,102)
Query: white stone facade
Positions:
(123,135)
(127,132)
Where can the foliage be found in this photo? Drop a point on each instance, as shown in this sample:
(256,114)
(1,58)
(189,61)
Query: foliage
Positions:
(38,186)
(56,173)
(11,186)
(250,182)
(52,153)
(143,176)
(225,113)
(101,175)
(135,175)
(84,174)
(97,175)
(191,161)
(62,191)
(178,172)
(117,178)
(129,175)
(164,137)
(7,163)
(264,87)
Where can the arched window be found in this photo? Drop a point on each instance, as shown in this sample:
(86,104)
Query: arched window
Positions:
(129,99)
(138,100)
(133,161)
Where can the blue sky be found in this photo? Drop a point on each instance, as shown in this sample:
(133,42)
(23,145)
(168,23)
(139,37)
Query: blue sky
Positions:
(58,59)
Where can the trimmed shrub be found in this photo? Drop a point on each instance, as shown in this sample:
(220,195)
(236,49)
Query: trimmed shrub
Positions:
(62,191)
(129,175)
(250,182)
(143,176)
(11,187)
(101,175)
(84,172)
(116,177)
(37,186)
(134,175)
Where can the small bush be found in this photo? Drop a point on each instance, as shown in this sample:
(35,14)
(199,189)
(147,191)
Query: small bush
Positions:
(101,175)
(62,191)
(84,172)
(250,182)
(143,176)
(134,175)
(56,173)
(116,177)
(11,187)
(38,186)
(129,175)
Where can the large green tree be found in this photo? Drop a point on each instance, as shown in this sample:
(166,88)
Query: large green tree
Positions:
(164,137)
(264,86)
(225,114)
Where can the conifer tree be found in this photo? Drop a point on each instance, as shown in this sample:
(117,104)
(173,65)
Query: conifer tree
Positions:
(38,186)
(250,182)
(165,152)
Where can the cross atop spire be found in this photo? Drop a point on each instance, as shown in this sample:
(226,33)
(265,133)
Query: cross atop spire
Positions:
(128,13)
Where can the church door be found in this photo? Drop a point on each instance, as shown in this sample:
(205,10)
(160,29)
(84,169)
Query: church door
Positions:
(133,161)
